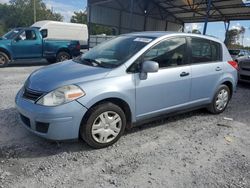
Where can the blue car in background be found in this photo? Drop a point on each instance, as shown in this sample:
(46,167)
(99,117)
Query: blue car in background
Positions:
(28,43)
(125,81)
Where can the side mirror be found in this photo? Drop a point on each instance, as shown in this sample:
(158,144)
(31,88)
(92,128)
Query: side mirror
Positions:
(44,33)
(148,67)
(17,39)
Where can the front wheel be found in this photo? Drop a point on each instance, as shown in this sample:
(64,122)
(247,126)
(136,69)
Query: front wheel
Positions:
(104,125)
(63,56)
(220,100)
(4,59)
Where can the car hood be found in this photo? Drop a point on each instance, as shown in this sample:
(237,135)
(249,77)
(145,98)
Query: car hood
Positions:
(4,41)
(69,72)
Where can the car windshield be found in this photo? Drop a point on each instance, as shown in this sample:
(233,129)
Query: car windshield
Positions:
(114,52)
(11,34)
(234,52)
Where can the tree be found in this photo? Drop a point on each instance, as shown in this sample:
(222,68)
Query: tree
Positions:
(81,17)
(232,37)
(196,31)
(242,31)
(19,13)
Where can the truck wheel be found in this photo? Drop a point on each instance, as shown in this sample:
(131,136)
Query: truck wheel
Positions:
(63,56)
(4,59)
(220,100)
(103,126)
(51,60)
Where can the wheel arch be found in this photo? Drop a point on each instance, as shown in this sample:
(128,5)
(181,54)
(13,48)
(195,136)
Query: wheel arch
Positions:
(229,84)
(6,52)
(64,50)
(117,101)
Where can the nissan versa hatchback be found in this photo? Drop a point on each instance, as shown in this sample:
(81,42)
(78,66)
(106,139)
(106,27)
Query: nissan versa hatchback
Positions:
(124,81)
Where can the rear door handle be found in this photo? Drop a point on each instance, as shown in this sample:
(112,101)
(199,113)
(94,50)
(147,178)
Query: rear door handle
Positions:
(218,69)
(184,74)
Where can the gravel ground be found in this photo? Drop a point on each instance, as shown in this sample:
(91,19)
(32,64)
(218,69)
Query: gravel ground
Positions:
(195,149)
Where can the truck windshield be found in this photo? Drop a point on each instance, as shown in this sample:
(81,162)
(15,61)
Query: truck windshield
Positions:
(114,52)
(11,34)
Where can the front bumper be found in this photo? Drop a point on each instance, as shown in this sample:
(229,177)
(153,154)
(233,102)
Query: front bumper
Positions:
(55,123)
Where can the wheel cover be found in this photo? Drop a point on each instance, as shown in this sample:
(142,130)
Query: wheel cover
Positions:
(221,99)
(106,127)
(2,60)
(64,57)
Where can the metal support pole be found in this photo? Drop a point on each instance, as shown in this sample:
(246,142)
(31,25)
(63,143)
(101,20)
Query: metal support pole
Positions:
(89,23)
(208,10)
(226,24)
(120,21)
(166,26)
(34,11)
(131,14)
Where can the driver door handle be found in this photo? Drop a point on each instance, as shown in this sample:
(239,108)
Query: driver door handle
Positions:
(184,74)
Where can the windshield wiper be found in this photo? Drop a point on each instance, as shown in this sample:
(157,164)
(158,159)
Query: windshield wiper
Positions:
(93,62)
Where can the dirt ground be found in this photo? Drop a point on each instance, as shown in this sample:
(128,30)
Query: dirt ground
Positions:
(194,149)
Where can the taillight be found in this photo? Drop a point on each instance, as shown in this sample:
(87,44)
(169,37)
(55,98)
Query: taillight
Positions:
(78,47)
(234,64)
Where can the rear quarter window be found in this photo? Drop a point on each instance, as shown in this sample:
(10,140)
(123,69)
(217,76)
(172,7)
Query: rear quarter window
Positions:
(204,51)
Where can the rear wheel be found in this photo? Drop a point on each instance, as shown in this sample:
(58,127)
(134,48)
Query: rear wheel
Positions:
(63,56)
(104,125)
(220,100)
(4,59)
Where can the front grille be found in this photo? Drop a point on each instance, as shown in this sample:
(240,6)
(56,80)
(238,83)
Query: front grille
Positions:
(243,77)
(31,94)
(42,127)
(25,120)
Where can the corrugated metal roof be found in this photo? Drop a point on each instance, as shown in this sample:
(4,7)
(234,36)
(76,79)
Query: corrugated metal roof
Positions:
(183,11)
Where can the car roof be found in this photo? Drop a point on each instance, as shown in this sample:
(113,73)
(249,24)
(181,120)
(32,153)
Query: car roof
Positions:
(158,34)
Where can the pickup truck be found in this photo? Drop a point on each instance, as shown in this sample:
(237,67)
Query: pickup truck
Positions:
(29,43)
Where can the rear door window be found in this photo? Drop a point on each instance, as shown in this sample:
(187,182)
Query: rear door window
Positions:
(203,51)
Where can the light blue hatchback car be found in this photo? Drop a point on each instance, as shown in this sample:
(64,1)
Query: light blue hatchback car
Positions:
(124,81)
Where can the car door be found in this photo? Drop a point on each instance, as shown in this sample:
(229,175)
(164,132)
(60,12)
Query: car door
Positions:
(168,88)
(207,68)
(27,45)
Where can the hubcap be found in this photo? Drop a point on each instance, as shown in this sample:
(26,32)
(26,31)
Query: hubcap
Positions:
(2,60)
(64,57)
(222,99)
(106,127)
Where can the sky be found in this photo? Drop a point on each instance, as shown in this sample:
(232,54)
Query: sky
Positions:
(65,7)
(217,29)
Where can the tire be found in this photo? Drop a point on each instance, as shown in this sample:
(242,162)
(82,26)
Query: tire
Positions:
(51,60)
(220,100)
(62,56)
(98,131)
(4,60)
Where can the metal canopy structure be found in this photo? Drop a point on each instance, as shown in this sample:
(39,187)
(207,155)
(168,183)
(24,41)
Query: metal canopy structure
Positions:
(191,11)
(139,15)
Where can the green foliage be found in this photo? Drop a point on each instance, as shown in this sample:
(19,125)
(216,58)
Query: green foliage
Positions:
(19,13)
(233,36)
(81,17)
(196,31)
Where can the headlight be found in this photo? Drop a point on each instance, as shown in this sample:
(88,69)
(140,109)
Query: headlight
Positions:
(61,95)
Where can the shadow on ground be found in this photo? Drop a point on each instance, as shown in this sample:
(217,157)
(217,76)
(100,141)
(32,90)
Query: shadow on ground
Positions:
(17,142)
